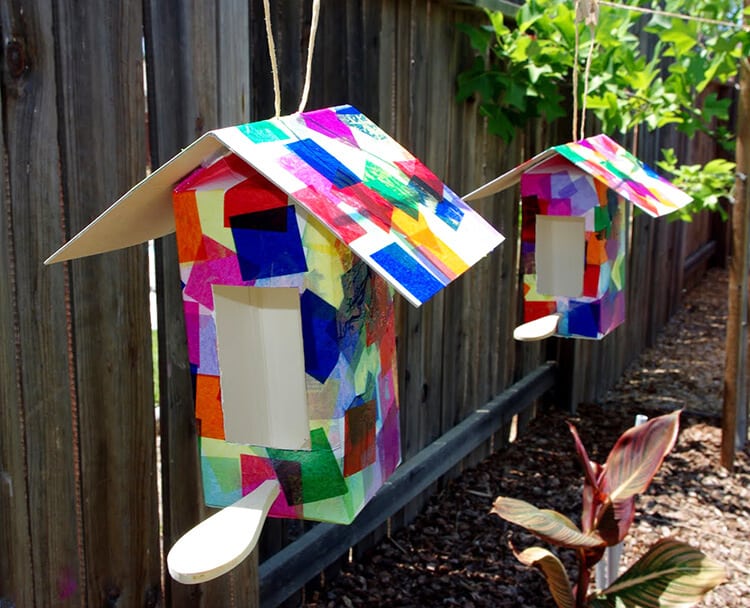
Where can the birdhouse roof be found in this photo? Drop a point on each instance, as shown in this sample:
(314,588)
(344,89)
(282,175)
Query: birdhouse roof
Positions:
(373,194)
(606,161)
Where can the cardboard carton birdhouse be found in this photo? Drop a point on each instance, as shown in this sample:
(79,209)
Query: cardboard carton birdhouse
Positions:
(573,239)
(292,235)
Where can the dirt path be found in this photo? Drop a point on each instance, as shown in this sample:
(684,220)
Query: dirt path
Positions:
(456,554)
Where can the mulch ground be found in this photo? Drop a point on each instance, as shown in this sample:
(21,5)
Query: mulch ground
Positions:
(457,554)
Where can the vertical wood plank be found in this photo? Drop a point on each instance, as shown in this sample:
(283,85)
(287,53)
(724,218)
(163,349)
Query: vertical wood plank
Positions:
(421,395)
(169,130)
(734,405)
(291,50)
(199,78)
(396,79)
(233,82)
(101,69)
(16,574)
(40,525)
(261,87)
(199,66)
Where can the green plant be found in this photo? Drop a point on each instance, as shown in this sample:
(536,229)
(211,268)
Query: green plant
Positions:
(669,574)
(523,66)
(708,184)
(518,72)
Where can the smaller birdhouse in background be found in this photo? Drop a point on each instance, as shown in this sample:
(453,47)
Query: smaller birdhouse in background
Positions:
(573,233)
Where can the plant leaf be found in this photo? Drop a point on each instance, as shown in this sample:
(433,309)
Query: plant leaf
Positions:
(592,500)
(548,525)
(592,495)
(588,508)
(637,455)
(671,574)
(590,468)
(614,520)
(553,571)
(480,37)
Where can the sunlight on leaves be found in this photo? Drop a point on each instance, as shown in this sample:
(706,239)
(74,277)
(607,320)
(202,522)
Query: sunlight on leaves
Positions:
(546,524)
(671,574)
(553,571)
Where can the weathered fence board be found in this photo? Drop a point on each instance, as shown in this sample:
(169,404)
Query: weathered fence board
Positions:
(199,75)
(109,302)
(37,488)
(84,409)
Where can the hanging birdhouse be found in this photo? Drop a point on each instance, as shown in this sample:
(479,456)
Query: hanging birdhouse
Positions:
(573,233)
(292,235)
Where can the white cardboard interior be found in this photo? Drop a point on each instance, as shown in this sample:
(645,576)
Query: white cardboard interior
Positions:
(560,255)
(262,366)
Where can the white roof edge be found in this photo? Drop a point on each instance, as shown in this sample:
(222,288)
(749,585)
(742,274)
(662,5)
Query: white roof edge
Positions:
(508,179)
(145,211)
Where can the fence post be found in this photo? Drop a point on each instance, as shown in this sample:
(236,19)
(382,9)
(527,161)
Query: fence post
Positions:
(734,414)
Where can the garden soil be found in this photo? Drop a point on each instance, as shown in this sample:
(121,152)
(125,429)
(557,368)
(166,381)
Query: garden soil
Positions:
(457,554)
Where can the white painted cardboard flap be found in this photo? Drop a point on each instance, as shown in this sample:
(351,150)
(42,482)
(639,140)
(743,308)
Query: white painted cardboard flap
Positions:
(144,212)
(509,178)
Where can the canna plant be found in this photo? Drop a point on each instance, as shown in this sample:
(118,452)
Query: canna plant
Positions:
(669,574)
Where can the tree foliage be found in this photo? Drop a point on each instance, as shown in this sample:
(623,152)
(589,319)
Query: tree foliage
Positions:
(645,72)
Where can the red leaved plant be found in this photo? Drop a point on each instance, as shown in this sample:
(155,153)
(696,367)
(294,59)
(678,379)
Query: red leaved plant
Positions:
(669,574)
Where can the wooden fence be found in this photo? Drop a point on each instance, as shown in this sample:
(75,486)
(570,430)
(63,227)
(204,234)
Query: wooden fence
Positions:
(80,508)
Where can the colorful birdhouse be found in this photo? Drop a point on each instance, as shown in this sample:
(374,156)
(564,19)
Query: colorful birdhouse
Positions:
(292,235)
(573,239)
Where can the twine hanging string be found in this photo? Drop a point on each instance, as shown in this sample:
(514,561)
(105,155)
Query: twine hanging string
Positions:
(274,64)
(588,12)
(576,47)
(274,67)
(310,50)
(591,18)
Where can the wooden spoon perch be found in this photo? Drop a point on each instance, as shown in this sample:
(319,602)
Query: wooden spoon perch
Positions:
(221,542)
(537,329)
